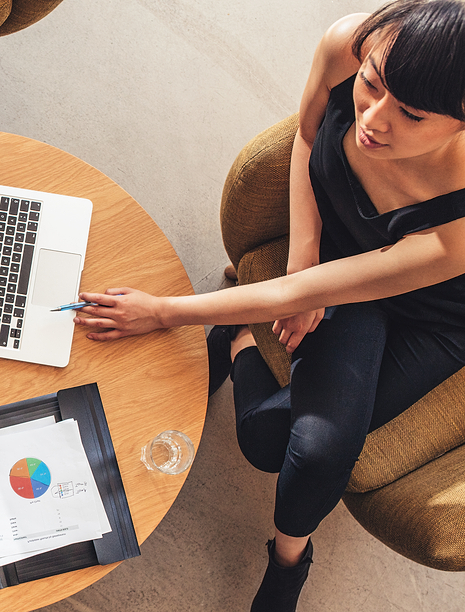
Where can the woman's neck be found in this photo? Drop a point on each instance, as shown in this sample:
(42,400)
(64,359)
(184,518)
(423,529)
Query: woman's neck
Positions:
(395,183)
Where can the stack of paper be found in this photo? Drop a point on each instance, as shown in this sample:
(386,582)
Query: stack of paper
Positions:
(48,495)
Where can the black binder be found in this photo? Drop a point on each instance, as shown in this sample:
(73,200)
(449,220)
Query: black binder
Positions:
(85,406)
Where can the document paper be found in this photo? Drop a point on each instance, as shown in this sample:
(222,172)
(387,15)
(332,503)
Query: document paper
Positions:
(48,495)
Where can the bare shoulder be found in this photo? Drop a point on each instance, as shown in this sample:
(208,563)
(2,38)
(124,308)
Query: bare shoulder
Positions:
(333,63)
(335,49)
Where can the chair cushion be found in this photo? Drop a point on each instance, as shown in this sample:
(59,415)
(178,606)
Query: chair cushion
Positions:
(24,13)
(422,515)
(431,427)
(5,10)
(255,200)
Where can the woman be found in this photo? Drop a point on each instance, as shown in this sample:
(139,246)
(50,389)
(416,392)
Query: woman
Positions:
(377,231)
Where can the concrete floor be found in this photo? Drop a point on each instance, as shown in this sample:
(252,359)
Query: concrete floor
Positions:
(161,95)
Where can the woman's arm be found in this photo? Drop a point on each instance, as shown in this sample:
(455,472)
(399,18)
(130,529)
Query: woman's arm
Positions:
(333,62)
(418,260)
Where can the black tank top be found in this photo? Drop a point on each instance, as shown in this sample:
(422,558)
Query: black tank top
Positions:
(352,225)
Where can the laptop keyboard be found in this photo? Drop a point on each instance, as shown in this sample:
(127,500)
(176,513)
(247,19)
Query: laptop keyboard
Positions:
(19,221)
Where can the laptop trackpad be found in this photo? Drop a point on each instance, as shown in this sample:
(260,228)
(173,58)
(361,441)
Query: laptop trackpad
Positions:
(56,278)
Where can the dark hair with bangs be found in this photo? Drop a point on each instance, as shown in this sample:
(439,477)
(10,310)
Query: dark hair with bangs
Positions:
(424,61)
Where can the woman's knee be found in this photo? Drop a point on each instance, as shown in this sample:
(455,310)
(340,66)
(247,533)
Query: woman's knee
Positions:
(321,457)
(263,442)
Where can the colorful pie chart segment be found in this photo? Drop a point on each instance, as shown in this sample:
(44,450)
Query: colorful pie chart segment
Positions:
(30,478)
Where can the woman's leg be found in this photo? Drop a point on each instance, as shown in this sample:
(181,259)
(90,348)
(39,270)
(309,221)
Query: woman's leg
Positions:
(333,390)
(262,411)
(415,362)
(390,366)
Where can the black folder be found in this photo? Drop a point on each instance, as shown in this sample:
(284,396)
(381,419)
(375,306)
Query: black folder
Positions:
(85,406)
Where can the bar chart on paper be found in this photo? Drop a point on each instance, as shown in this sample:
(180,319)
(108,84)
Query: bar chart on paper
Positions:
(30,478)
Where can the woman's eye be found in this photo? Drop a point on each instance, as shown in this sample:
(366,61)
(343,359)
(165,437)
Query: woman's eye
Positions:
(366,81)
(410,116)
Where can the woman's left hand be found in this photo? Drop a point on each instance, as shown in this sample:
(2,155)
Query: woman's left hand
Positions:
(120,312)
(292,330)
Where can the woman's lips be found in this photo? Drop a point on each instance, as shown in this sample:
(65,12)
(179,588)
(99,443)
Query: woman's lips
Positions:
(369,142)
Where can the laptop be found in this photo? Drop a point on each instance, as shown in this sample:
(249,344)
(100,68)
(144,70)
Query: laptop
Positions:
(43,240)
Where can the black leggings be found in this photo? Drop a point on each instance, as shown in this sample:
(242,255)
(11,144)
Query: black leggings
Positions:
(358,370)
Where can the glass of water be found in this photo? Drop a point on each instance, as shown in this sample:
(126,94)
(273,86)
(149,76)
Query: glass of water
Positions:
(171,452)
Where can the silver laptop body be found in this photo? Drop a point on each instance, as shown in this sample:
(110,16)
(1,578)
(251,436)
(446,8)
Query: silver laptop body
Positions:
(43,240)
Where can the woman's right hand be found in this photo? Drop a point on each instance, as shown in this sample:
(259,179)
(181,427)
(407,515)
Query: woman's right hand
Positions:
(118,313)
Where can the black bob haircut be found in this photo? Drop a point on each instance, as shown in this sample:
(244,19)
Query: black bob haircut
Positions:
(424,60)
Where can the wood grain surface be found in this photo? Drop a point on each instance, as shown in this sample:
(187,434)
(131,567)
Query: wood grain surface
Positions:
(147,383)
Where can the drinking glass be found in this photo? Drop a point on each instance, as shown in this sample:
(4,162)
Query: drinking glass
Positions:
(171,452)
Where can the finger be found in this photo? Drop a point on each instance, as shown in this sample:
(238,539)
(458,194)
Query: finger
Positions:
(120,291)
(284,336)
(100,323)
(294,342)
(113,334)
(277,327)
(98,312)
(99,298)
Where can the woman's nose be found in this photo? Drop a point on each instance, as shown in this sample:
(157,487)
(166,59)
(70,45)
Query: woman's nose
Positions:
(376,115)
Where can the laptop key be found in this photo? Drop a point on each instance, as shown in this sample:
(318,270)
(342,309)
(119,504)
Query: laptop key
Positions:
(4,333)
(14,205)
(25,269)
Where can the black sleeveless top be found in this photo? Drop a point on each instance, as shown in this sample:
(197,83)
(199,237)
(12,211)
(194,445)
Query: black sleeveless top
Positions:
(352,225)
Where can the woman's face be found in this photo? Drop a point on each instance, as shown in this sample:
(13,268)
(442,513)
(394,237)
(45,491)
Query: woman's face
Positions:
(388,129)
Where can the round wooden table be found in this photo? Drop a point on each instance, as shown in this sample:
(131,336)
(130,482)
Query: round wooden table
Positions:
(147,383)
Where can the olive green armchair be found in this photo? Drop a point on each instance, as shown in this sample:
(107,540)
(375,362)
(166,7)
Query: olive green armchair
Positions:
(408,487)
(16,15)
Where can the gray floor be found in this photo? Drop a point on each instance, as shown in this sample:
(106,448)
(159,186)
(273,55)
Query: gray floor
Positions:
(161,95)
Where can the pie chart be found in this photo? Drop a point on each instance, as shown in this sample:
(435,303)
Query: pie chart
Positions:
(30,478)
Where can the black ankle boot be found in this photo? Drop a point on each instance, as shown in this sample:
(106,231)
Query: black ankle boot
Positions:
(219,354)
(281,586)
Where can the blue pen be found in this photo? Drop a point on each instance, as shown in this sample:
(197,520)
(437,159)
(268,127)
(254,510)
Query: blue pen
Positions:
(74,306)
